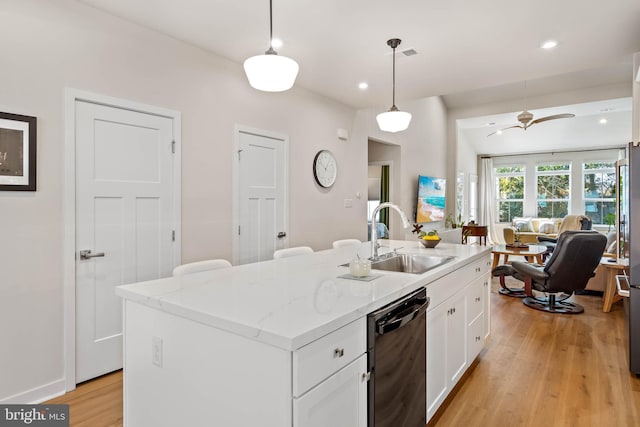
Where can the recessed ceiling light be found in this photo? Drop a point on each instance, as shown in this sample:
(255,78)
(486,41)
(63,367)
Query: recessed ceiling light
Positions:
(276,43)
(549,44)
(363,85)
(603,121)
(499,132)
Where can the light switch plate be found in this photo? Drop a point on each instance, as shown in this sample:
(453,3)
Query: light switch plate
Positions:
(156,351)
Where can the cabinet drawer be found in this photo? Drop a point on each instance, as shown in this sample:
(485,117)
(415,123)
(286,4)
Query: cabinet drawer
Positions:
(319,359)
(441,289)
(475,301)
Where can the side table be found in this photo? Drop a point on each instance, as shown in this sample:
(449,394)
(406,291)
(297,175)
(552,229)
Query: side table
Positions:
(614,267)
(479,231)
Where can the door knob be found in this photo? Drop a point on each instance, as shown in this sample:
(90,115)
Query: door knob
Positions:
(282,234)
(86,254)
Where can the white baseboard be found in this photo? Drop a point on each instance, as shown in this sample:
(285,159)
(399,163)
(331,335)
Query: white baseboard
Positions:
(38,394)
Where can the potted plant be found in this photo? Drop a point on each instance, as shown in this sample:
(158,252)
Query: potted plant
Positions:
(448,222)
(610,220)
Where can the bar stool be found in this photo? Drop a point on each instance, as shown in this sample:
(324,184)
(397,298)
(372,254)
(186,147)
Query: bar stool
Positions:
(289,252)
(198,266)
(345,242)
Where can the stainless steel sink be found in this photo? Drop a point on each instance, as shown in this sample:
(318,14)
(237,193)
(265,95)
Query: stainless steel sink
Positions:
(410,263)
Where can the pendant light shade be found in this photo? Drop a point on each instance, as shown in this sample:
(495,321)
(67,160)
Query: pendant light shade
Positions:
(393,120)
(271,72)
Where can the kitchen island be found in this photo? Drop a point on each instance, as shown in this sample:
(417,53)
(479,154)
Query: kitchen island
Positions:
(283,342)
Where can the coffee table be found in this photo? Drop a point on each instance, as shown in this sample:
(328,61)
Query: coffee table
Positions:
(529,252)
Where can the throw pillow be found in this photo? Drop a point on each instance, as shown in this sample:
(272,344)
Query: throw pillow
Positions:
(523,225)
(547,227)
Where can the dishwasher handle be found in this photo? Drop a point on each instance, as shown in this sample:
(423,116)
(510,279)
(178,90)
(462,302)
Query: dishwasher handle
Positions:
(396,320)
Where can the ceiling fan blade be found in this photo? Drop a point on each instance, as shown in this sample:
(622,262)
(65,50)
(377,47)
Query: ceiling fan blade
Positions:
(510,127)
(556,116)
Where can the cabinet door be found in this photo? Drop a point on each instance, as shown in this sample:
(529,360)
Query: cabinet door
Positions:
(436,357)
(456,338)
(476,338)
(338,401)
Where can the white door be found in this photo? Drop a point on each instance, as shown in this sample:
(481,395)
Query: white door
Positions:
(123,216)
(261,182)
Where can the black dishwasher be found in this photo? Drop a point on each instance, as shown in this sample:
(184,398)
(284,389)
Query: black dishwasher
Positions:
(397,361)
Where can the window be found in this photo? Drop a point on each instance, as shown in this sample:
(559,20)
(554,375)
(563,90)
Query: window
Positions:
(510,191)
(600,191)
(553,183)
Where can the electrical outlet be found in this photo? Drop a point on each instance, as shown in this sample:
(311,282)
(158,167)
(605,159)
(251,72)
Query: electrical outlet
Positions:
(156,351)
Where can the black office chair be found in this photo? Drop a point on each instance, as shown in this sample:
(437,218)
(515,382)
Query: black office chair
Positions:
(573,262)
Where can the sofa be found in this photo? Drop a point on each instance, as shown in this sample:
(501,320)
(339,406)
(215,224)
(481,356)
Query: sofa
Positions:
(530,228)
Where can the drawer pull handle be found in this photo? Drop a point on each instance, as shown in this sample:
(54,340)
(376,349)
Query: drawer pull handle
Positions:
(338,352)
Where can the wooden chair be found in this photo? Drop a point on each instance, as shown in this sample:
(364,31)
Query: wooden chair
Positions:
(345,242)
(289,252)
(196,267)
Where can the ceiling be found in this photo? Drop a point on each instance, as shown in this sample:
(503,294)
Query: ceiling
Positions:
(465,49)
(583,132)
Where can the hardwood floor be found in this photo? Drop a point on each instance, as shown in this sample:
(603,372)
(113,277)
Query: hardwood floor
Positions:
(95,403)
(538,369)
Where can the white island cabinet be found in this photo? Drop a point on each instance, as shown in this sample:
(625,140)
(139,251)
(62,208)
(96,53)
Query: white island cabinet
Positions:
(457,327)
(279,343)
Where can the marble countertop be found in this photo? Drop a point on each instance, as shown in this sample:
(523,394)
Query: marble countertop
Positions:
(290,302)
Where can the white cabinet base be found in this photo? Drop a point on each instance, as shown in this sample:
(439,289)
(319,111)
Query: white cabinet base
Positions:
(339,401)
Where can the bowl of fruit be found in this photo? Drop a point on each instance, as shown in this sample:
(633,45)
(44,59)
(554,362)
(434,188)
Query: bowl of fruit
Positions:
(429,239)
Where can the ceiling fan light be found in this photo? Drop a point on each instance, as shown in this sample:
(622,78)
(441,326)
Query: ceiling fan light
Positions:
(393,120)
(271,72)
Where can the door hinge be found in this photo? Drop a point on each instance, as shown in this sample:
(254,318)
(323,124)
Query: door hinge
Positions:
(366,376)
(238,230)
(173,146)
(173,235)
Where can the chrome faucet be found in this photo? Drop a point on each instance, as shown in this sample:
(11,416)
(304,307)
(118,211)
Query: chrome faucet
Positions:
(374,231)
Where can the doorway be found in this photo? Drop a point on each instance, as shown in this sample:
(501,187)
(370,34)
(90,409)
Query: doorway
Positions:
(384,166)
(122,205)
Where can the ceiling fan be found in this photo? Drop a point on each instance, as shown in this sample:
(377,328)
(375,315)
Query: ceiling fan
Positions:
(526,118)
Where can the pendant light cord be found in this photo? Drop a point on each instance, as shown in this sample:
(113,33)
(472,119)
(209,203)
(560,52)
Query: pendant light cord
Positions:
(271,50)
(393,96)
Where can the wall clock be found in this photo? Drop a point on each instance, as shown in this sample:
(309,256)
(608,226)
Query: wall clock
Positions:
(325,168)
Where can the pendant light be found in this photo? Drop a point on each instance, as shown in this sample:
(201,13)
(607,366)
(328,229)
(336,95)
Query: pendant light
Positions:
(271,72)
(393,120)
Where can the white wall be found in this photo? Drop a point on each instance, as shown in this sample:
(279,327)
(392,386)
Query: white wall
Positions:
(48,46)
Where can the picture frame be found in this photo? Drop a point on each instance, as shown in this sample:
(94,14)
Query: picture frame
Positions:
(17,152)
